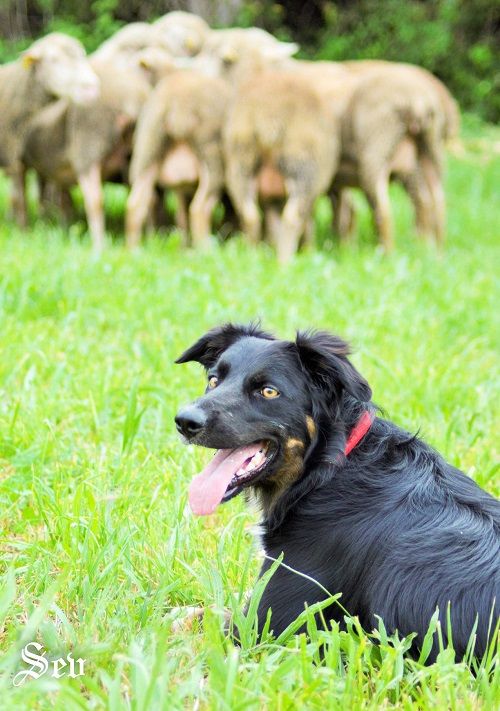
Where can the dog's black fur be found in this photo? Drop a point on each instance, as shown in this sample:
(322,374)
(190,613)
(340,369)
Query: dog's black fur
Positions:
(392,526)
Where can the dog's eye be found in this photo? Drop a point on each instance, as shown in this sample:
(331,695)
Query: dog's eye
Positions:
(212,382)
(269,392)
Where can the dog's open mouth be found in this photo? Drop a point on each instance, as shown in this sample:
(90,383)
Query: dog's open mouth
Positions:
(227,474)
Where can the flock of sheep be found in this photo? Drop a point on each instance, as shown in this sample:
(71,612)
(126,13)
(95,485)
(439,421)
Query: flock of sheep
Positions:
(177,106)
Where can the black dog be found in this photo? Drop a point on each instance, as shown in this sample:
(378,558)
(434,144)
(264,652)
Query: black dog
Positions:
(352,501)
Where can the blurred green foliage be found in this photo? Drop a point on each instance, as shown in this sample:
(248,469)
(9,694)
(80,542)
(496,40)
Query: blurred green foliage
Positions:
(458,40)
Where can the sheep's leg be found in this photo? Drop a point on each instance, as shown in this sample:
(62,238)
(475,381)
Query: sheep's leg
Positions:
(201,208)
(432,177)
(242,188)
(157,216)
(41,186)
(309,236)
(151,216)
(53,197)
(200,218)
(182,216)
(344,217)
(438,195)
(248,212)
(18,196)
(45,196)
(67,207)
(293,224)
(138,205)
(378,197)
(272,224)
(230,223)
(420,196)
(91,186)
(431,161)
(251,220)
(376,158)
(161,216)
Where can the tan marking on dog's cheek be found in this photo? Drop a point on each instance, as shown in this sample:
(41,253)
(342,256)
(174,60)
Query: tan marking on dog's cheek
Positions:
(294,443)
(311,426)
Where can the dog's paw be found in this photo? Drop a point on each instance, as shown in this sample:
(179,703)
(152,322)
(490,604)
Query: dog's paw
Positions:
(184,618)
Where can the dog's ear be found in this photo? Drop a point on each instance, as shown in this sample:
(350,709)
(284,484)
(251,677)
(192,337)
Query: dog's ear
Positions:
(324,357)
(210,346)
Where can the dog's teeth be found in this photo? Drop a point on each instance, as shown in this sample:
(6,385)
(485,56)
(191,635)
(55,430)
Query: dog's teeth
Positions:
(246,472)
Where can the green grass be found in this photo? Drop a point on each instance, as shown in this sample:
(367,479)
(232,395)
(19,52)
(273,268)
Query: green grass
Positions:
(97,545)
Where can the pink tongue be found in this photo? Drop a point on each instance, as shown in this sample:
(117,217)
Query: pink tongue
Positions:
(209,486)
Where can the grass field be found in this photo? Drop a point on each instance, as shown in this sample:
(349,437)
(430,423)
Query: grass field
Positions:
(97,544)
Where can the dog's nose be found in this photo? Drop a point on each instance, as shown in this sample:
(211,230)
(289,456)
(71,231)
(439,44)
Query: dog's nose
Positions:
(190,420)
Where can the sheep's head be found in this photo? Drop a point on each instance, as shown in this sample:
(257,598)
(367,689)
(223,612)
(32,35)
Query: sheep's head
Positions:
(237,53)
(182,33)
(62,68)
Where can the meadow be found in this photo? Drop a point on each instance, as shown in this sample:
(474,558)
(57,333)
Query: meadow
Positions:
(97,544)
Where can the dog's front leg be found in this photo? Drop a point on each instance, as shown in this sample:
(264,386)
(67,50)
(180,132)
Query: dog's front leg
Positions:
(286,595)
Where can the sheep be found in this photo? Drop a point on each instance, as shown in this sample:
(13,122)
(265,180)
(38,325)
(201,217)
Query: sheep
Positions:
(195,148)
(183,33)
(54,66)
(449,106)
(70,144)
(241,54)
(394,121)
(178,146)
(178,33)
(126,42)
(192,94)
(397,121)
(154,63)
(390,120)
(236,54)
(279,140)
(281,148)
(243,38)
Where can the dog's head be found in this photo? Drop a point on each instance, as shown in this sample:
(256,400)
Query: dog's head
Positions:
(262,407)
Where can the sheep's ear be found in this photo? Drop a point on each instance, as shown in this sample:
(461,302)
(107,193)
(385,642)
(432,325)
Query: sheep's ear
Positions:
(150,57)
(29,58)
(145,64)
(280,50)
(230,55)
(324,357)
(191,43)
(210,346)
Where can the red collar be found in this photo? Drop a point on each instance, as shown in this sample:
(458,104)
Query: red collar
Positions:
(358,431)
